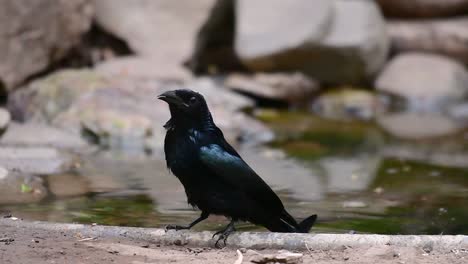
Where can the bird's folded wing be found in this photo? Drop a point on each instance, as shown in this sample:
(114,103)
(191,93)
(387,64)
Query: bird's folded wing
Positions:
(238,174)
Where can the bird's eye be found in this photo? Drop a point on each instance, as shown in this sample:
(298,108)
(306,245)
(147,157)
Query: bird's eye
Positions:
(192,100)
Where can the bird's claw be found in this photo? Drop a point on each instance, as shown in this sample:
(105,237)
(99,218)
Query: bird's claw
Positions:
(223,236)
(174,227)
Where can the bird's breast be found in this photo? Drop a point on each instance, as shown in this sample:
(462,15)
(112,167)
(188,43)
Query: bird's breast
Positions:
(182,151)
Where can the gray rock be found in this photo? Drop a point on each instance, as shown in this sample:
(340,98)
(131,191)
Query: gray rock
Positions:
(122,112)
(268,27)
(287,87)
(35,34)
(5,118)
(442,36)
(426,81)
(358,31)
(35,160)
(17,188)
(40,135)
(418,125)
(42,100)
(250,240)
(423,8)
(332,41)
(142,67)
(159,29)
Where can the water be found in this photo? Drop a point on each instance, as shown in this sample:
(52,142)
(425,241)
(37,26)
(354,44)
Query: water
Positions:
(353,175)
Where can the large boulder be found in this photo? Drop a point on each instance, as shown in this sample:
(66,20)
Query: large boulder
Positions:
(442,36)
(332,41)
(34,34)
(423,8)
(159,29)
(123,112)
(427,82)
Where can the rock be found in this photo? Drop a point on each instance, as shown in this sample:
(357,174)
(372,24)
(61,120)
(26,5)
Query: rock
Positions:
(277,86)
(423,8)
(214,46)
(42,100)
(142,67)
(264,31)
(354,204)
(35,160)
(441,36)
(35,34)
(418,125)
(344,41)
(16,188)
(283,256)
(122,112)
(426,81)
(159,29)
(347,103)
(40,135)
(5,118)
(59,185)
(117,130)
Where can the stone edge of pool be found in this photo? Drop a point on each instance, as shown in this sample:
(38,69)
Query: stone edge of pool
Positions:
(251,240)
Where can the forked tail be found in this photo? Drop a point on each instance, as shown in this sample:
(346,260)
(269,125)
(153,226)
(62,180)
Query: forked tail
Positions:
(306,224)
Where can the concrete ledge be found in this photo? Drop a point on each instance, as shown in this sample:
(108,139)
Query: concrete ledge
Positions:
(253,240)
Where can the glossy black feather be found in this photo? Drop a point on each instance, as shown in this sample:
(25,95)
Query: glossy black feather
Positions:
(216,179)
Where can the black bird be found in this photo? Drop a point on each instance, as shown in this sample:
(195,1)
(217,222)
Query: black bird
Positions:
(216,179)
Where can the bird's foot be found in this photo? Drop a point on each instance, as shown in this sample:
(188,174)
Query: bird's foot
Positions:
(175,227)
(224,234)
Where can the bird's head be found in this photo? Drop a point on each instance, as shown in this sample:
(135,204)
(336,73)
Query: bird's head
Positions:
(187,107)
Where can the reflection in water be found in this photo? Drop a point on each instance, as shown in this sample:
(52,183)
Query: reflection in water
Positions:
(350,173)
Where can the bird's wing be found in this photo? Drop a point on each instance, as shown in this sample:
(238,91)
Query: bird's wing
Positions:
(238,174)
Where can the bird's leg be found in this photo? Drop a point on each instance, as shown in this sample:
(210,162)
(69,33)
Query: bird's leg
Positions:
(224,233)
(203,216)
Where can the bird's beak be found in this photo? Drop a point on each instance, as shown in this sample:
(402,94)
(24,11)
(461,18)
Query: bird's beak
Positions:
(170,97)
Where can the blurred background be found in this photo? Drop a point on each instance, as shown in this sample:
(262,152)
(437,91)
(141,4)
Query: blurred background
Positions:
(355,110)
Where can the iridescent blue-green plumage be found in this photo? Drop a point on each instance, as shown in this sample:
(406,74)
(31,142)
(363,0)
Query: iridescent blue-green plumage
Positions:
(216,179)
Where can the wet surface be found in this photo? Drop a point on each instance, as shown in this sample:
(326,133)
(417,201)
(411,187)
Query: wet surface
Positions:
(356,177)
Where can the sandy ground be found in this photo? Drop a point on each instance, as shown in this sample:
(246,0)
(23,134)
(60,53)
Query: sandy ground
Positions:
(29,245)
